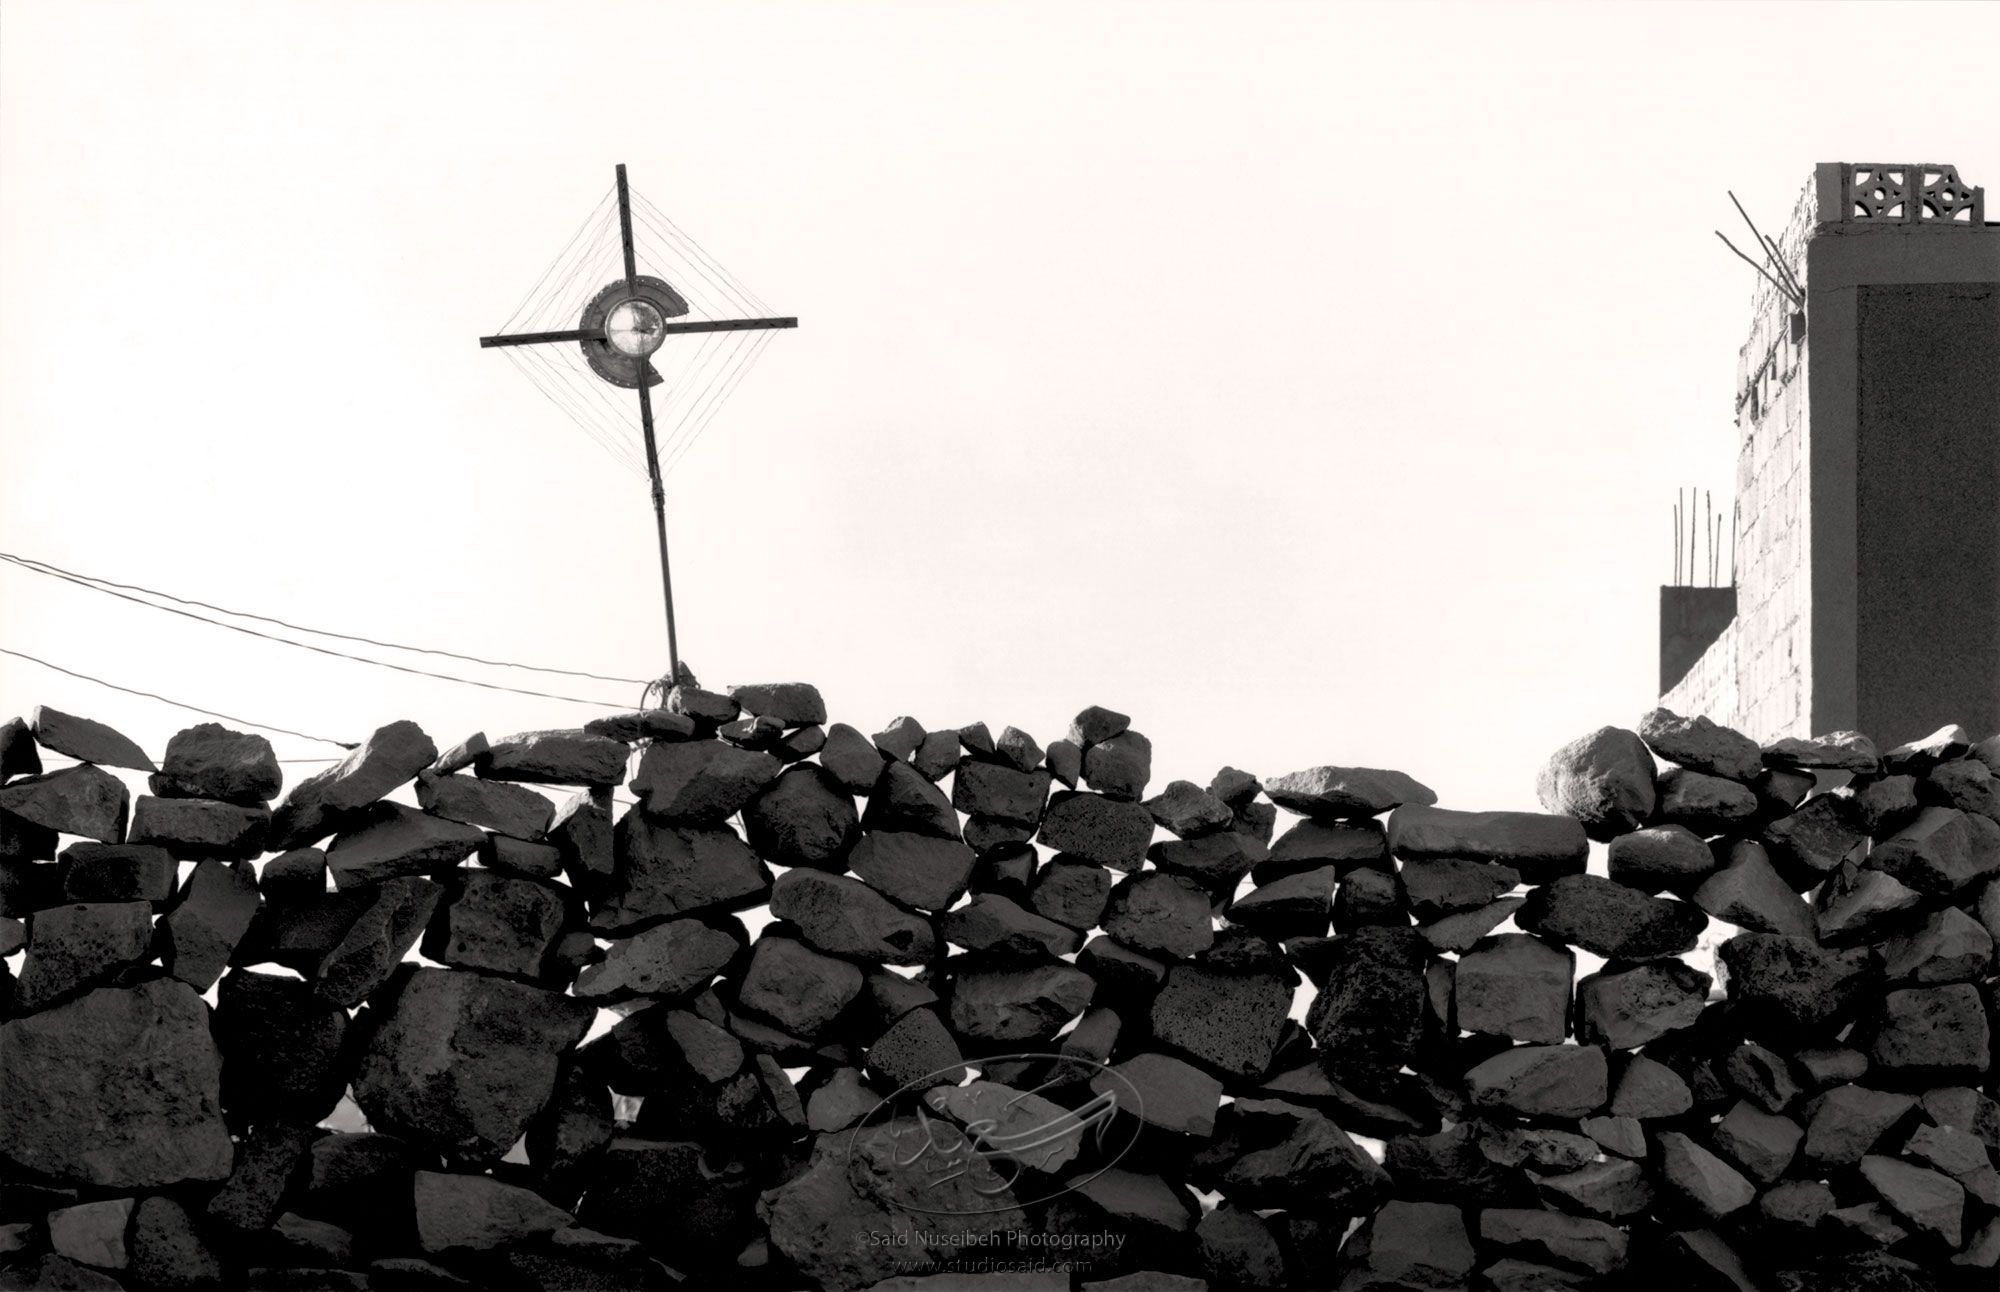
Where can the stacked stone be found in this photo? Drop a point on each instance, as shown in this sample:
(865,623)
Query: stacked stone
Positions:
(1010,1018)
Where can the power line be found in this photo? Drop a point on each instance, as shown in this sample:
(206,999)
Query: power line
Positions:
(192,708)
(106,585)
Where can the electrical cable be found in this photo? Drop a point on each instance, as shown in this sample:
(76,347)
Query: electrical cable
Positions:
(192,708)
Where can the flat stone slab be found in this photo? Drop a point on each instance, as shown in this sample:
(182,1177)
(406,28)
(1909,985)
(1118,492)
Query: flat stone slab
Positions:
(391,756)
(663,871)
(492,805)
(209,761)
(1611,920)
(87,741)
(803,818)
(1538,846)
(1541,1081)
(845,917)
(388,839)
(562,757)
(1171,1094)
(669,959)
(1701,744)
(1328,793)
(76,946)
(1633,1007)
(83,800)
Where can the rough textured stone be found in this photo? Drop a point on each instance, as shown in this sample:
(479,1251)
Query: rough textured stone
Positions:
(493,805)
(1928,1201)
(496,923)
(664,871)
(1338,793)
(282,1049)
(916,1049)
(1548,1235)
(1435,888)
(1025,1004)
(1636,1006)
(1119,766)
(915,869)
(1941,852)
(1949,946)
(1160,914)
(1749,894)
(999,928)
(1409,1245)
(209,761)
(1229,1021)
(1187,810)
(1541,1081)
(18,754)
(168,1250)
(1290,905)
(1171,1093)
(479,1213)
(83,800)
(1839,751)
(1791,984)
(1278,1154)
(110,872)
(803,818)
(560,757)
(137,1077)
(1610,919)
(1099,830)
(701,782)
(1929,1035)
(1071,894)
(669,959)
(1608,1189)
(199,935)
(1847,1121)
(1703,803)
(796,987)
(1701,744)
(1369,1016)
(1650,1089)
(1762,1143)
(1309,845)
(1812,842)
(795,704)
(1661,857)
(93,1233)
(1604,780)
(851,758)
(461,1061)
(87,741)
(369,948)
(390,757)
(388,839)
(846,917)
(905,801)
(1515,986)
(193,828)
(74,947)
(1700,1179)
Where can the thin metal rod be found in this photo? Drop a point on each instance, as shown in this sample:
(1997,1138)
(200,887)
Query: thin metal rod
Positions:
(625,229)
(1777,262)
(673,329)
(1759,268)
(540,338)
(660,521)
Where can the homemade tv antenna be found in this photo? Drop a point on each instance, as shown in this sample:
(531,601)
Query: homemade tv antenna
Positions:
(622,325)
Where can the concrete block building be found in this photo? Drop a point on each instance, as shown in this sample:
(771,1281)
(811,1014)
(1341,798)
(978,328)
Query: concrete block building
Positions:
(1866,587)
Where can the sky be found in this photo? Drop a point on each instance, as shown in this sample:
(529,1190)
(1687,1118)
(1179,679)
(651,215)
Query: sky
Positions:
(1310,382)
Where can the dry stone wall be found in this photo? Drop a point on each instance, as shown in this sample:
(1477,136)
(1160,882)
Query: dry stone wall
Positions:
(946,1009)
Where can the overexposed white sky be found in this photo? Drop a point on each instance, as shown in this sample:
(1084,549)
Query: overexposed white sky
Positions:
(1310,382)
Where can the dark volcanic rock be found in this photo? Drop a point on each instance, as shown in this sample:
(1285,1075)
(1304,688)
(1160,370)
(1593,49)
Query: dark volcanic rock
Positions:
(18,754)
(193,828)
(87,741)
(267,1158)
(1160,914)
(1309,845)
(796,987)
(493,805)
(1120,766)
(1541,1081)
(1750,894)
(700,782)
(664,871)
(77,946)
(804,818)
(1929,1035)
(1340,793)
(137,1078)
(1761,1143)
(564,757)
(1648,1088)
(370,947)
(1409,1245)
(1187,810)
(1703,803)
(1435,888)
(1700,1179)
(198,936)
(846,917)
(1604,779)
(1839,751)
(1515,986)
(904,801)
(1277,1154)
(1289,906)
(1856,905)
(1217,862)
(1000,928)
(693,1209)
(83,800)
(1633,1007)
(1949,946)
(1025,1004)
(479,1213)
(1929,1201)
(915,869)
(916,1049)
(1702,745)
(1170,1093)
(388,839)
(496,923)
(1099,830)
(209,761)
(390,757)
(1791,983)
(852,759)
(1549,1235)
(281,1049)
(1847,1121)
(1536,846)
(1071,893)
(1369,1017)
(1611,920)
(795,704)
(1939,853)
(461,1061)
(1229,1021)
(1659,858)
(1812,842)
(112,872)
